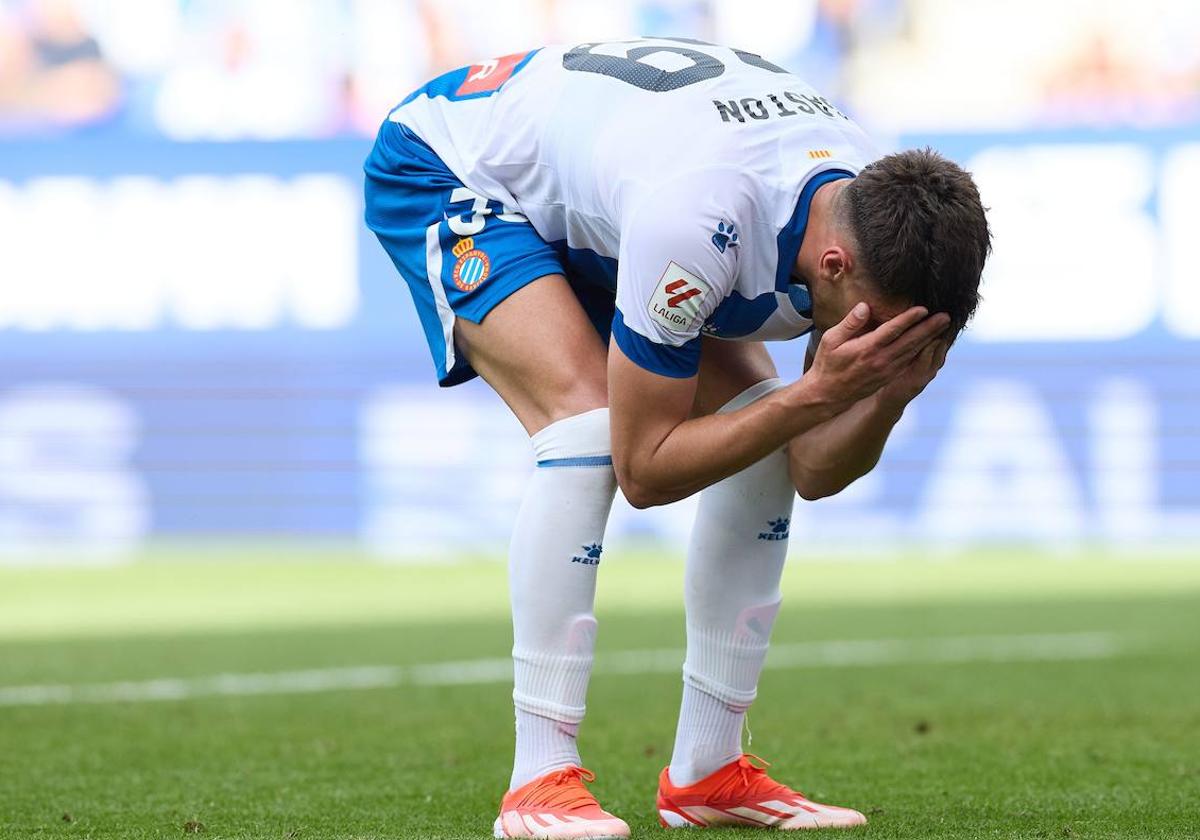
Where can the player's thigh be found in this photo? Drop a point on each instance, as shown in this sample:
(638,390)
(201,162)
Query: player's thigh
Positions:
(727,368)
(488,290)
(539,351)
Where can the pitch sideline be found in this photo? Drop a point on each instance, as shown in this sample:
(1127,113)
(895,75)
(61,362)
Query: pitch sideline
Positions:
(1044,647)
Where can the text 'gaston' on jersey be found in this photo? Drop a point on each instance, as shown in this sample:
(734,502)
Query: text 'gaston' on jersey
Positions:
(675,174)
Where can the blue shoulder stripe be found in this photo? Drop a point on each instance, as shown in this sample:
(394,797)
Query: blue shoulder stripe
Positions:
(663,359)
(581,461)
(792,234)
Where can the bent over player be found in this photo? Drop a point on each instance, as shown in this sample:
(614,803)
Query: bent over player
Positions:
(607,233)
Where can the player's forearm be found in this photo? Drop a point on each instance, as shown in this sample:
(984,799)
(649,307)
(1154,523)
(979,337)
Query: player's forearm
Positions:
(826,459)
(704,450)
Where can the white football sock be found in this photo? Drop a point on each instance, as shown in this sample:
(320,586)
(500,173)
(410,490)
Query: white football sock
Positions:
(553,557)
(731,592)
(543,744)
(708,737)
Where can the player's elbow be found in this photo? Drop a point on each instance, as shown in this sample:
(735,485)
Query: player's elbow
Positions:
(811,486)
(816,479)
(810,494)
(641,502)
(641,496)
(636,490)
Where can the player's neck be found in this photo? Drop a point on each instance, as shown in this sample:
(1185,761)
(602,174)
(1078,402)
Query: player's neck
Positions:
(818,231)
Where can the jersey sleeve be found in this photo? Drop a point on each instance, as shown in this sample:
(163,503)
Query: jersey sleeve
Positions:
(678,260)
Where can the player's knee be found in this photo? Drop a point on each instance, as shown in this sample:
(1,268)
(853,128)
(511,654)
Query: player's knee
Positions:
(575,395)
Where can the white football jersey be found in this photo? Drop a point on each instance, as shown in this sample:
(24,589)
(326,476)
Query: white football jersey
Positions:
(690,165)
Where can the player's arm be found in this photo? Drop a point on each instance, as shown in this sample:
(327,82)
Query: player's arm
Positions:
(829,457)
(662,455)
(671,278)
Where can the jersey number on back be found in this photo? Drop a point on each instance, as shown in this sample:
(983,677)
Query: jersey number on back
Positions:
(632,70)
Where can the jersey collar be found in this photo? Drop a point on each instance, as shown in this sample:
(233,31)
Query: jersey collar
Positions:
(792,235)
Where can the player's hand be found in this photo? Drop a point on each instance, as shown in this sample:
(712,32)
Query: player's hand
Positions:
(912,380)
(849,366)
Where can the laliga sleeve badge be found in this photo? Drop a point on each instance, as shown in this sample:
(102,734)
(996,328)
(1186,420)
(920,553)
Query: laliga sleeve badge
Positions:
(473,265)
(677,301)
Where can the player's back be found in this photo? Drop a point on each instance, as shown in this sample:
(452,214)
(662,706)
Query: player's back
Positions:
(673,176)
(576,136)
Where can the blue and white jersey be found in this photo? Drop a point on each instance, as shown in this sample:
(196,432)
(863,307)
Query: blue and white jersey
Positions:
(676,173)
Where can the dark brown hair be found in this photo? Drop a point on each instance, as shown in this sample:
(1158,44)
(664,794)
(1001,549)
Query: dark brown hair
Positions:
(921,231)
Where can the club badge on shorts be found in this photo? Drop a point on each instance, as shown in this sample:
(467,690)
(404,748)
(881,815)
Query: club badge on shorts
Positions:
(472,266)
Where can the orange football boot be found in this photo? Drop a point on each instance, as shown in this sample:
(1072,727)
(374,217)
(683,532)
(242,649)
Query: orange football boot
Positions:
(557,805)
(741,793)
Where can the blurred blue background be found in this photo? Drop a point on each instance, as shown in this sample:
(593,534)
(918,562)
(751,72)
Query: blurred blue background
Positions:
(202,342)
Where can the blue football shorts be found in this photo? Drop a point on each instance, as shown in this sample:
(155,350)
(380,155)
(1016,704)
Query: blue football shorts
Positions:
(459,252)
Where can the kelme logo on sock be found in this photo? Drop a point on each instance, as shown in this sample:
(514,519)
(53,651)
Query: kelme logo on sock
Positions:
(590,556)
(779,529)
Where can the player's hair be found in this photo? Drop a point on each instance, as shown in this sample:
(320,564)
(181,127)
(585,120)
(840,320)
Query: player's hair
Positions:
(921,231)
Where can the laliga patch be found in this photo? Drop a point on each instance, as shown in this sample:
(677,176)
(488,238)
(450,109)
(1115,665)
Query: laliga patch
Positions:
(676,302)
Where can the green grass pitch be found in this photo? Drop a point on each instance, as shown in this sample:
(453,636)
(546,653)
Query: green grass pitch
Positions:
(988,696)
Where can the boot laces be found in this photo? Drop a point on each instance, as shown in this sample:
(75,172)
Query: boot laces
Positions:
(751,779)
(565,789)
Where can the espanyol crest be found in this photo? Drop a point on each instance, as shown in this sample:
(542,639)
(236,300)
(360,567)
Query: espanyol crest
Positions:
(472,267)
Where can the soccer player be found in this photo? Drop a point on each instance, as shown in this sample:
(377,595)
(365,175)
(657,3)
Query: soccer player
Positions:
(607,233)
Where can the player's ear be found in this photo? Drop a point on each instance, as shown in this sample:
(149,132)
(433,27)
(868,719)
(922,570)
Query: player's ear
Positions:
(836,263)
